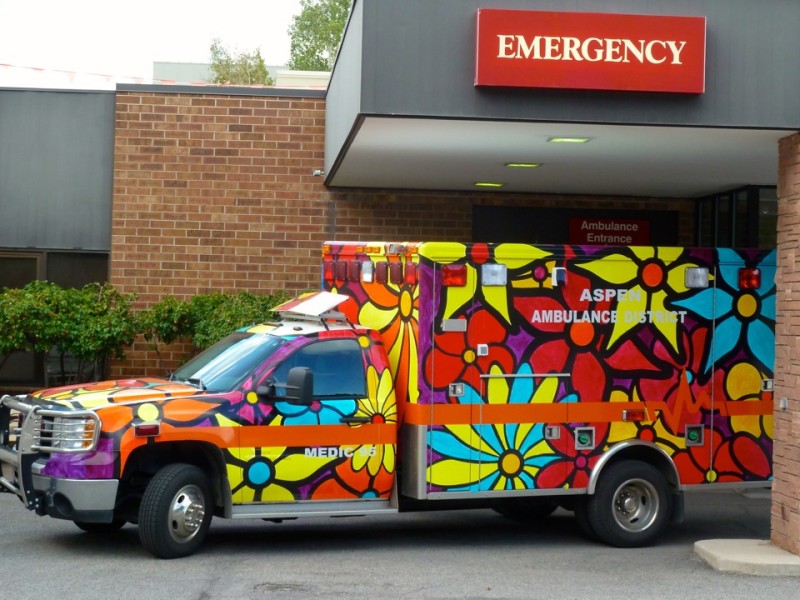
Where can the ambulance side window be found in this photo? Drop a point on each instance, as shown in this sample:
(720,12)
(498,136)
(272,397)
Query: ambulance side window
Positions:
(337,366)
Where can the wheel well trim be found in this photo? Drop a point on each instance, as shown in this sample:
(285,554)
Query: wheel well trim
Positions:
(673,478)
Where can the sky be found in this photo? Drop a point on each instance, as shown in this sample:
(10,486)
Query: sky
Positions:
(96,43)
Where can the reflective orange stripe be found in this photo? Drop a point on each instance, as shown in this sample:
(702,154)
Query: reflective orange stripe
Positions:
(318,435)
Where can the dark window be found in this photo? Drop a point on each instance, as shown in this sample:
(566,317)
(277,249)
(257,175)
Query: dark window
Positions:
(336,364)
(76,269)
(18,269)
(67,269)
(743,218)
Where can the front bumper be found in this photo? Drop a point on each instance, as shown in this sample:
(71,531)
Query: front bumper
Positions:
(23,460)
(87,500)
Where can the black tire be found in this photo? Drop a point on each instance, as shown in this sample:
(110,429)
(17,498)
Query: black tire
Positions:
(101,528)
(582,519)
(631,506)
(528,510)
(175,512)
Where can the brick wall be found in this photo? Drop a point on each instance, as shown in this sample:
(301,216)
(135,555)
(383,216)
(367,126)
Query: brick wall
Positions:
(786,456)
(216,192)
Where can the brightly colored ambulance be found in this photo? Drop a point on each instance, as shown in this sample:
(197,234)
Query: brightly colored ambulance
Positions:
(605,380)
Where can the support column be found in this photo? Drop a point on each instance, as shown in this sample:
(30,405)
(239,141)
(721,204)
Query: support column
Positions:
(786,456)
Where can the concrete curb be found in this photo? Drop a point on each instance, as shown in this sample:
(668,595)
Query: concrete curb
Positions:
(749,557)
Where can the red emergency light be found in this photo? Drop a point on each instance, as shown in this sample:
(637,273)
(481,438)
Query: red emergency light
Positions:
(327,272)
(749,278)
(454,275)
(412,273)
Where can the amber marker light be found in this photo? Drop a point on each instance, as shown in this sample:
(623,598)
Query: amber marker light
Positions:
(568,140)
(488,184)
(522,165)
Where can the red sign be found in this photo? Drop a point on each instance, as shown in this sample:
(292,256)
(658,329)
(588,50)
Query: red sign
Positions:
(602,231)
(590,51)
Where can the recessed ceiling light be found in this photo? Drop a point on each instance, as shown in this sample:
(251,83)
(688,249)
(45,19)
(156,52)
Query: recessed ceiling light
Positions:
(522,165)
(568,140)
(488,184)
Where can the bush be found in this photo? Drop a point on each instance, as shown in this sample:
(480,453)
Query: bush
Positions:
(96,322)
(90,324)
(216,315)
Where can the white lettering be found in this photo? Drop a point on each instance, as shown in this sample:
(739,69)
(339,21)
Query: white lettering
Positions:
(592,49)
(648,52)
(676,51)
(613,51)
(572,49)
(505,46)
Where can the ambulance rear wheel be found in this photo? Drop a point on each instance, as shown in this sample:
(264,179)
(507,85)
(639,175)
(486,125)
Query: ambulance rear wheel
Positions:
(631,506)
(175,512)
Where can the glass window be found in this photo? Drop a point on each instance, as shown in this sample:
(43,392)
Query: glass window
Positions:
(18,269)
(76,269)
(336,364)
(767,218)
(724,221)
(226,364)
(741,219)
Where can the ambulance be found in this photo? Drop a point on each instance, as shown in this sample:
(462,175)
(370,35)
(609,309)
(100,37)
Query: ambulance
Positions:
(607,381)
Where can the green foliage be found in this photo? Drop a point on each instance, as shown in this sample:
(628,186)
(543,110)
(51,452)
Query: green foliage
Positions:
(97,322)
(102,323)
(165,321)
(316,33)
(91,324)
(244,68)
(216,315)
(32,318)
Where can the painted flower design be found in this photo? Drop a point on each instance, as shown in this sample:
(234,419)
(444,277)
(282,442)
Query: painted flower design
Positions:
(493,457)
(744,318)
(743,384)
(380,407)
(272,474)
(572,467)
(651,275)
(454,356)
(319,412)
(394,311)
(732,458)
(496,298)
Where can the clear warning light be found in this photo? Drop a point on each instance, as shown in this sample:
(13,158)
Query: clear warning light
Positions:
(696,277)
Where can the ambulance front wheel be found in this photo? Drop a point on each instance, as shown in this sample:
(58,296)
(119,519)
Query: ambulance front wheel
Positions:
(175,512)
(631,505)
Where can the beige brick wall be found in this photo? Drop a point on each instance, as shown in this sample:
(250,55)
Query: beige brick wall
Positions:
(786,457)
(216,192)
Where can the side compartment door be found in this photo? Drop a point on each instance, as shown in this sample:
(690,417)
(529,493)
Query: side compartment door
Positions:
(450,379)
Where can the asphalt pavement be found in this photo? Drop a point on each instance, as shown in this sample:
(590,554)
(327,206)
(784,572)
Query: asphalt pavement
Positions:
(435,555)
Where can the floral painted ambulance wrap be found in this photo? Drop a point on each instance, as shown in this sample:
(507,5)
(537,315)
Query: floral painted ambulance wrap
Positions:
(336,448)
(530,362)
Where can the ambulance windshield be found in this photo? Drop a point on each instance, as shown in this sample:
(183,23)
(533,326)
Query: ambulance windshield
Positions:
(227,363)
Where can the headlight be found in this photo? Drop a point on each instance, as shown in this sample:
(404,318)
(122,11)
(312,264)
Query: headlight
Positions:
(68,434)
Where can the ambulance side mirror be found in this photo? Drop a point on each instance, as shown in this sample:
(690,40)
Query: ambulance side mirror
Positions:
(299,386)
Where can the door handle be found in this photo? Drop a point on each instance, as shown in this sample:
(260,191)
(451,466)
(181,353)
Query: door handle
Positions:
(351,420)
